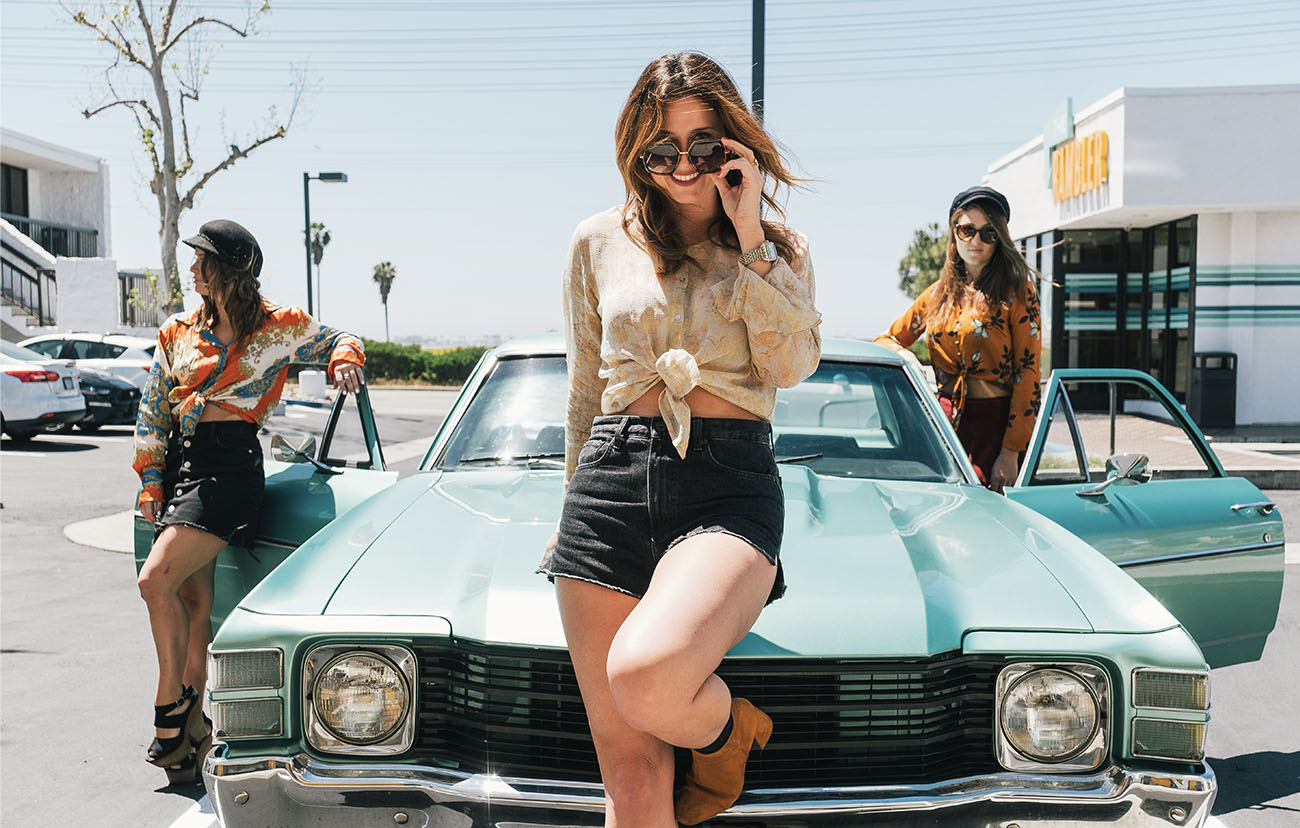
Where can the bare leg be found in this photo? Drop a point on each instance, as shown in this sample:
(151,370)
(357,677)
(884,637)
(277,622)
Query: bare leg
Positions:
(705,595)
(636,768)
(196,594)
(179,553)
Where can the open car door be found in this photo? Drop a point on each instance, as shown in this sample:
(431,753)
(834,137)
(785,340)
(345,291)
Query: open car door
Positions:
(323,462)
(1115,460)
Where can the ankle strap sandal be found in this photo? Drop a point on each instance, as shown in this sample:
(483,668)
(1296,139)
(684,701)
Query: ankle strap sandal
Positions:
(169,750)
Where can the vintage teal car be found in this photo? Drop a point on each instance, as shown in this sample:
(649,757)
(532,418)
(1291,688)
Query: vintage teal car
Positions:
(944,655)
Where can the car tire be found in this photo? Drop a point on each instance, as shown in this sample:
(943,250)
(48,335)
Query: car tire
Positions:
(89,428)
(22,437)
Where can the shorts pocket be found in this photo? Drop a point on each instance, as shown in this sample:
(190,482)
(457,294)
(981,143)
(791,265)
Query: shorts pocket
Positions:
(595,450)
(741,456)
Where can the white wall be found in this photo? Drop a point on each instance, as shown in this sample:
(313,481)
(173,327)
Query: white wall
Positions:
(1252,252)
(88,294)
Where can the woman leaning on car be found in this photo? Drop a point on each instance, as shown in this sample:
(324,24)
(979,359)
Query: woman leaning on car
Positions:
(981,323)
(684,311)
(218,372)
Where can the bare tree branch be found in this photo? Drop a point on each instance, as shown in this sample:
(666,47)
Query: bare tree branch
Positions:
(168,14)
(90,113)
(123,46)
(198,21)
(236,153)
(148,30)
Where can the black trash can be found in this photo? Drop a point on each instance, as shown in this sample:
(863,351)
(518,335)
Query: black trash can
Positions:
(1212,395)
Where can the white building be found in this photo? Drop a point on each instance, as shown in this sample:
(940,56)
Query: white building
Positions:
(56,243)
(1169,221)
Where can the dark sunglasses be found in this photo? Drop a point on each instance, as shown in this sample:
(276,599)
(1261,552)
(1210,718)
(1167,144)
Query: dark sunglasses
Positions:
(707,155)
(967,232)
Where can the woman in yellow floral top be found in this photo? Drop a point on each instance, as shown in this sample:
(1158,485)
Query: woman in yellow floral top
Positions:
(218,372)
(981,323)
(684,312)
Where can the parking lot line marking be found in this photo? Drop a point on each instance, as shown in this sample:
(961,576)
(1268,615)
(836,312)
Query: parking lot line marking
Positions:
(1293,553)
(200,815)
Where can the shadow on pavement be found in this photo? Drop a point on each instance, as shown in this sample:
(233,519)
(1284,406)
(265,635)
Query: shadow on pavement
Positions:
(1253,779)
(43,446)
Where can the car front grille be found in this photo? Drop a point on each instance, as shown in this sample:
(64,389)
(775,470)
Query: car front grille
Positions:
(516,711)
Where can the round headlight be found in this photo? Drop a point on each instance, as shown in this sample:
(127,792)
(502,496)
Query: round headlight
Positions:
(360,697)
(1049,715)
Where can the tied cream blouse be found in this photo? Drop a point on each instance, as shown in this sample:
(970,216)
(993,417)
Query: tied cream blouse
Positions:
(713,324)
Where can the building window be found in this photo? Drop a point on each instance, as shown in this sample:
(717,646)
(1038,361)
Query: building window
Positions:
(13,190)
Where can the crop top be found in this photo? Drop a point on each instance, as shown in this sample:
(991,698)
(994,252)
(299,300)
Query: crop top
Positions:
(712,324)
(192,368)
(1002,348)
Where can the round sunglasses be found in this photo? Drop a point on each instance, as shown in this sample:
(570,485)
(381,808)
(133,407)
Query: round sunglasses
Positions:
(707,155)
(967,232)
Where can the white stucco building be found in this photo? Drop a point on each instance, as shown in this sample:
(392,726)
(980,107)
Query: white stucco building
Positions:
(1169,222)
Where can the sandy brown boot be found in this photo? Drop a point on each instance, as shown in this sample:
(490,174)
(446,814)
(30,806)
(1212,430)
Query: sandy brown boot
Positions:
(716,779)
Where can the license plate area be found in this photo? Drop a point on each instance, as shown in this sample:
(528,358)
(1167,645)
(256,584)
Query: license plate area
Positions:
(67,382)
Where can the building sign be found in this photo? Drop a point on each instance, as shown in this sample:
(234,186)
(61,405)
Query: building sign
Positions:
(1080,166)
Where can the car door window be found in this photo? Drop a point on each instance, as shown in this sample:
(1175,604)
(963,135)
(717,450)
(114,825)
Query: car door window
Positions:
(82,349)
(49,347)
(112,351)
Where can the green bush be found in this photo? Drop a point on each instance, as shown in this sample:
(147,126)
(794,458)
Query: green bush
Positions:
(411,363)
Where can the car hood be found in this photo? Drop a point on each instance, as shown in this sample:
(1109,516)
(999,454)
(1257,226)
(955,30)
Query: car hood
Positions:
(873,567)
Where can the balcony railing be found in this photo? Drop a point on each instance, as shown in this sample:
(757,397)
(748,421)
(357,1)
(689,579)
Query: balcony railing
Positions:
(28,286)
(134,294)
(58,239)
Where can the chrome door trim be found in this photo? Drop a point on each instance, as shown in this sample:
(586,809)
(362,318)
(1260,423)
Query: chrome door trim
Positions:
(1207,553)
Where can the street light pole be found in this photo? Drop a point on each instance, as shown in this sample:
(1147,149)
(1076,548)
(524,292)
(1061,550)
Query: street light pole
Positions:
(334,177)
(756,91)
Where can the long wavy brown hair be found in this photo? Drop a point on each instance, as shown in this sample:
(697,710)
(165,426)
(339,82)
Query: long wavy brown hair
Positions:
(1004,277)
(238,292)
(648,210)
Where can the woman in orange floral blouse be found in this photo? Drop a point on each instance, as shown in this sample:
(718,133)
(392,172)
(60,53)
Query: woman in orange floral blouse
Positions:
(218,372)
(981,322)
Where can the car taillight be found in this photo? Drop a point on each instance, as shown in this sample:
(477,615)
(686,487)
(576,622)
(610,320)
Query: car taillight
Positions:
(34,376)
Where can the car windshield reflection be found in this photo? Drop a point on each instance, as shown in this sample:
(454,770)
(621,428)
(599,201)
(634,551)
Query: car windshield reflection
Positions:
(847,420)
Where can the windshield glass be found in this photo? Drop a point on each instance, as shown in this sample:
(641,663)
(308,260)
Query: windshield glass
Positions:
(848,420)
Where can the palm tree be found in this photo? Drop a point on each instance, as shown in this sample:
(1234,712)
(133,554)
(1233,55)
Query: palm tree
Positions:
(385,273)
(320,237)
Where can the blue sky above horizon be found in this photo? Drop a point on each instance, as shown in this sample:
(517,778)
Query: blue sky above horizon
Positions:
(476,135)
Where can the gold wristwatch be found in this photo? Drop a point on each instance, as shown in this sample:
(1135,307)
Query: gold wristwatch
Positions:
(765,252)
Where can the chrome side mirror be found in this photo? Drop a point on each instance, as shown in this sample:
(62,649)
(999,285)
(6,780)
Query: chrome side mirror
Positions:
(1131,466)
(299,450)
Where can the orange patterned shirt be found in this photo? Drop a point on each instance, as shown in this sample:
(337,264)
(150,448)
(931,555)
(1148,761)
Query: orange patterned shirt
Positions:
(1001,347)
(192,368)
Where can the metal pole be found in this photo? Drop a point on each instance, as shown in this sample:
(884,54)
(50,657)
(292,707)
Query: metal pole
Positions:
(756,93)
(306,233)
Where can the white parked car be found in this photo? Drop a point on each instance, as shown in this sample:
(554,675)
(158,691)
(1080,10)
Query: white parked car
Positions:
(130,357)
(37,394)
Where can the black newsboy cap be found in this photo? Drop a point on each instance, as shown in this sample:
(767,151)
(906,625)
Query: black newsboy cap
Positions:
(231,243)
(976,195)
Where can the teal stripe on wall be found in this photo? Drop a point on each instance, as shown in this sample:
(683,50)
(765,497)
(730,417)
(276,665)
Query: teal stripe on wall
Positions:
(1257,275)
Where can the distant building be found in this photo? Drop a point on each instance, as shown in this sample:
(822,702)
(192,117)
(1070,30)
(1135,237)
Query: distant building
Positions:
(56,244)
(1169,221)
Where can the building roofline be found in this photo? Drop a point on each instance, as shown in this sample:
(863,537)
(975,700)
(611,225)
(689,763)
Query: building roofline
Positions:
(57,156)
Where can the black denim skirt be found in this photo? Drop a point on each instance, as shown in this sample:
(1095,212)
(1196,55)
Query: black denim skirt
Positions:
(213,480)
(632,498)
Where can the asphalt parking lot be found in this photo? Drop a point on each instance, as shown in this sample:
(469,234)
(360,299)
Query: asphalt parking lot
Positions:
(77,669)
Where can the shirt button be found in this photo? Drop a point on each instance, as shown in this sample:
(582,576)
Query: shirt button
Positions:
(677,318)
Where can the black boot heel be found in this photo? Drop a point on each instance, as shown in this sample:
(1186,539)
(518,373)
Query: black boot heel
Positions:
(185,772)
(172,749)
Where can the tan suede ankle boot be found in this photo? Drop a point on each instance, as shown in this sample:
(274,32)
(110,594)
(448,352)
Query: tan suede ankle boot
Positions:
(716,779)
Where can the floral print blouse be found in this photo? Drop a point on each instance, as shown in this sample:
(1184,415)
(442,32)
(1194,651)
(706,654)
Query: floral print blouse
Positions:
(1002,348)
(192,369)
(713,324)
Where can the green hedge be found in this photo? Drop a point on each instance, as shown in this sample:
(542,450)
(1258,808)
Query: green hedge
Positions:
(411,363)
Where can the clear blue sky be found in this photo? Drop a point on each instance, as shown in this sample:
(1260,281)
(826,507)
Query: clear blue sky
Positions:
(477,134)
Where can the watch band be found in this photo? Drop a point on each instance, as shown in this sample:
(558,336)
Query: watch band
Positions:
(764,252)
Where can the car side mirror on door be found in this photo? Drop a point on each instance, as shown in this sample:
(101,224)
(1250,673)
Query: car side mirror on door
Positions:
(298,450)
(1130,466)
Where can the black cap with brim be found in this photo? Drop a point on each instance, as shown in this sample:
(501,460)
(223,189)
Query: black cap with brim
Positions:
(981,195)
(231,243)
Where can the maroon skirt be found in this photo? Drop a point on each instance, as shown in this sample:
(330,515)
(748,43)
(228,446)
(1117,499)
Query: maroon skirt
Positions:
(982,426)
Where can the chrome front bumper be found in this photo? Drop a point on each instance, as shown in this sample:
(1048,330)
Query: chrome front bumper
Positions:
(298,790)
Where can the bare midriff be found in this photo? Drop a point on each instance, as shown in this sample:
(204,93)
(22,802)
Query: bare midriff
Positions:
(702,403)
(978,389)
(214,413)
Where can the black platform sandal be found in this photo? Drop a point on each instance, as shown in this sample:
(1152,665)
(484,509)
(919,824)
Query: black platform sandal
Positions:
(168,751)
(185,772)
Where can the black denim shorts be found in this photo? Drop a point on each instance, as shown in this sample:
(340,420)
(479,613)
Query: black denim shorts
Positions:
(213,480)
(632,498)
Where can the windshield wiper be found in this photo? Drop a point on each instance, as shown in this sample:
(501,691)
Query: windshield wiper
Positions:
(556,458)
(799,458)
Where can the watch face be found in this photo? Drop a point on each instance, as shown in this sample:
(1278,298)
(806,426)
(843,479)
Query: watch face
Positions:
(769,252)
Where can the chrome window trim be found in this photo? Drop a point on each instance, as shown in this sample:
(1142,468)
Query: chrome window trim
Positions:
(1204,553)
(1133,689)
(320,738)
(213,655)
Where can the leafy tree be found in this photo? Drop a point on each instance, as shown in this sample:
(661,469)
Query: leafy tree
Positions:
(385,273)
(173,55)
(920,267)
(320,238)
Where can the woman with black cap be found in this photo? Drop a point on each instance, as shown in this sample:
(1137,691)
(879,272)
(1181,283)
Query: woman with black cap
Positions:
(218,372)
(981,323)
